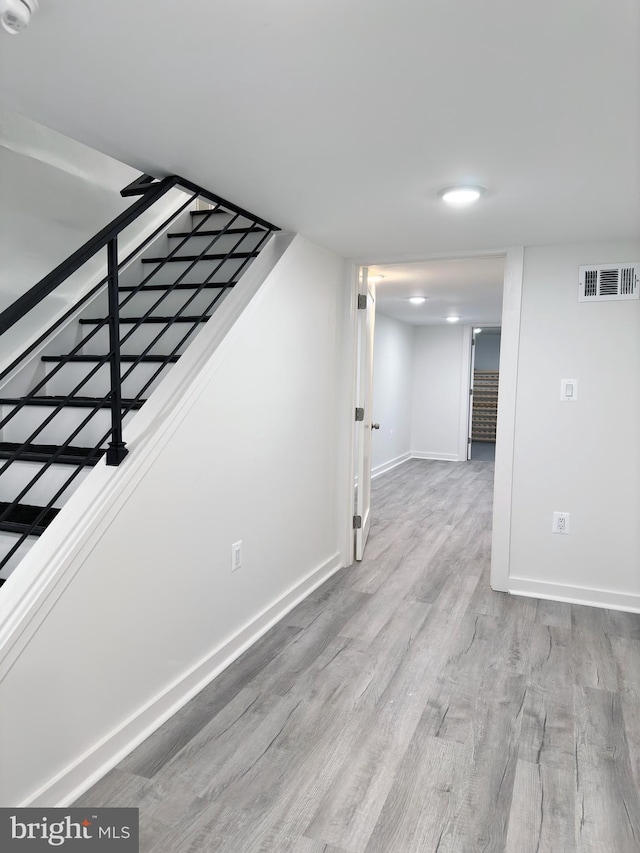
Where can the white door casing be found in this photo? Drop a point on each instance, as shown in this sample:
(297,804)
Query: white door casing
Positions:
(470,395)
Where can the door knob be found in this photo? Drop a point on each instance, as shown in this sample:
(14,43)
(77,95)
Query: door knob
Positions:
(375,426)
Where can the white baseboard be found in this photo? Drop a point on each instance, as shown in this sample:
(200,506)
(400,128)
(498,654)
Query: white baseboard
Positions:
(93,764)
(575,594)
(440,457)
(390,465)
(417,454)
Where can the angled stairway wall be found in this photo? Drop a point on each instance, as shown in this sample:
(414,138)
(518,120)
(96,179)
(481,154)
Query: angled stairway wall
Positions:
(135,606)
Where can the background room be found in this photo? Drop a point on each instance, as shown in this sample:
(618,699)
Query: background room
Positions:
(423,369)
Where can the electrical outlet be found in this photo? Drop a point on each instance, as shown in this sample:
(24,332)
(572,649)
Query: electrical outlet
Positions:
(236,556)
(561,522)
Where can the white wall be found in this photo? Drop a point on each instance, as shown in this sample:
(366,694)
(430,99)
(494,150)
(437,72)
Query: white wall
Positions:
(487,355)
(439,368)
(148,608)
(392,392)
(581,457)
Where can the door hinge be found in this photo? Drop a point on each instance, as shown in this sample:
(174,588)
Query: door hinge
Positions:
(470,392)
(359,414)
(362,300)
(357,522)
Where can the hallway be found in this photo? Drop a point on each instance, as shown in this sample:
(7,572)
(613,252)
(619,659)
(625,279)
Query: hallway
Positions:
(405,707)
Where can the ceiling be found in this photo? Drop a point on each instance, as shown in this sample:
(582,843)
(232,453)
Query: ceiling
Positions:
(342,120)
(470,289)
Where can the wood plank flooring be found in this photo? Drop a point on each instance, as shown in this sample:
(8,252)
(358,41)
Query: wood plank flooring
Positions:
(405,707)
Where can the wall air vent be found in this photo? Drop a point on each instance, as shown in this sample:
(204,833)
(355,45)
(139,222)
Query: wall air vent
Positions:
(604,282)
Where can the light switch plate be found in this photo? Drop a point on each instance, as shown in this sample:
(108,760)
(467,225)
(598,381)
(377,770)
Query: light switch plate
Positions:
(569,390)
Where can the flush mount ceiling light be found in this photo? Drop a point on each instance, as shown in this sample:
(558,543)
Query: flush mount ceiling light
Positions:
(16,14)
(460,196)
(477,331)
(417,300)
(452,319)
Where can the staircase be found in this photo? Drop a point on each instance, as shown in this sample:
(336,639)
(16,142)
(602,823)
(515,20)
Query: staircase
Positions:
(93,369)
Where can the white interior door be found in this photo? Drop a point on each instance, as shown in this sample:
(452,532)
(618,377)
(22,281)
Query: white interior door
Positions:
(471,370)
(364,426)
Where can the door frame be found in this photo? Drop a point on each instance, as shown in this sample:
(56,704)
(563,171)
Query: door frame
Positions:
(465,396)
(509,352)
(469,394)
(366,319)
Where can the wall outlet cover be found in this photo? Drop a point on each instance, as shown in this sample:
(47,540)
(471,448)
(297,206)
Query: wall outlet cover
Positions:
(561,522)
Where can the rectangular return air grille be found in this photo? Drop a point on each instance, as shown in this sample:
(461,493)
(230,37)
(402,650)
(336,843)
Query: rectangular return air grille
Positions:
(604,282)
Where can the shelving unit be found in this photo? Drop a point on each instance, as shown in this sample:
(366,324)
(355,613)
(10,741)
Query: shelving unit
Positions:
(485,405)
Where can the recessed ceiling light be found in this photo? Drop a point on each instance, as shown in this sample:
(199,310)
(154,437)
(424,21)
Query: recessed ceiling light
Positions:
(452,319)
(460,196)
(417,300)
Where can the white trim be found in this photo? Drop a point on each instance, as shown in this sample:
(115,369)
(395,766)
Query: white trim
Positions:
(465,379)
(507,390)
(390,465)
(439,457)
(414,257)
(79,776)
(627,601)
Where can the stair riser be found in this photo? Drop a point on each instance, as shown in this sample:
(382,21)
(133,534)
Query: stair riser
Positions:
(142,337)
(171,271)
(198,243)
(170,304)
(219,270)
(71,374)
(7,541)
(58,430)
(19,474)
(215,222)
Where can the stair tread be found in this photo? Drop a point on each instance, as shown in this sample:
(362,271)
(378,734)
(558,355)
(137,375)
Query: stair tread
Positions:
(214,285)
(95,358)
(22,517)
(43,453)
(215,257)
(208,233)
(78,402)
(215,212)
(190,319)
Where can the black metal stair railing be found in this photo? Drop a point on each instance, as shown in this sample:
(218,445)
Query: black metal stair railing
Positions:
(25,520)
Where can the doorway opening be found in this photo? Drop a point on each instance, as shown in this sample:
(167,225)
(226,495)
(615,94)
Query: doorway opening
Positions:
(485,381)
(426,317)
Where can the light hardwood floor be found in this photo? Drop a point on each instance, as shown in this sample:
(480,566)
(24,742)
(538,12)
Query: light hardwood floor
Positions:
(406,707)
